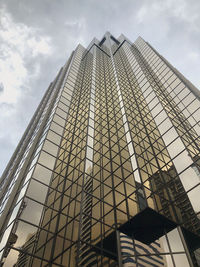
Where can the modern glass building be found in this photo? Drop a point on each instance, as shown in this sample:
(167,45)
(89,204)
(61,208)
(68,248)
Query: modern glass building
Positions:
(108,171)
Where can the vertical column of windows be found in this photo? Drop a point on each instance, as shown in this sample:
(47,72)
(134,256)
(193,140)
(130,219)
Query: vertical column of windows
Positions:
(182,96)
(126,158)
(90,140)
(19,195)
(185,142)
(150,149)
(102,212)
(126,128)
(75,131)
(142,81)
(84,251)
(22,160)
(112,165)
(70,167)
(99,207)
(45,159)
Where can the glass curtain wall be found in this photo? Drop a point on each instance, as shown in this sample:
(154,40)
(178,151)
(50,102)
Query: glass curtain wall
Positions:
(112,174)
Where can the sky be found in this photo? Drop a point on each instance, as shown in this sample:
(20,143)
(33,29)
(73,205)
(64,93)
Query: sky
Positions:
(37,37)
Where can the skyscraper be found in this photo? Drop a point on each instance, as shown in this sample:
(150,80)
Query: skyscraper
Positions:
(108,171)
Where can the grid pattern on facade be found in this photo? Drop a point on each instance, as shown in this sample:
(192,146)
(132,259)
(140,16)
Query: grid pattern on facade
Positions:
(116,134)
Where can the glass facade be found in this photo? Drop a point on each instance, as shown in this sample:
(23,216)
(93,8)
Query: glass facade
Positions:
(108,170)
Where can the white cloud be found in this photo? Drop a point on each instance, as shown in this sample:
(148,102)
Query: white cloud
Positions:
(194,56)
(34,44)
(141,15)
(183,9)
(39,47)
(19,43)
(77,28)
(180,10)
(12,75)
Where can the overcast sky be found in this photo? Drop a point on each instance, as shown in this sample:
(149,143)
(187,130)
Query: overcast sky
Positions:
(37,37)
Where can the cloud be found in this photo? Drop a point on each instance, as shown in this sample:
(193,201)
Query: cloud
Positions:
(37,38)
(141,14)
(194,56)
(19,44)
(1,88)
(24,48)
